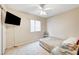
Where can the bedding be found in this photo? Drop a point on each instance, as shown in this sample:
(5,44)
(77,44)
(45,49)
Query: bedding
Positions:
(57,46)
(62,51)
(50,42)
(68,47)
(70,43)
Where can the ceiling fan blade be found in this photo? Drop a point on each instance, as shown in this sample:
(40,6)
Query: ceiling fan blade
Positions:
(39,7)
(47,8)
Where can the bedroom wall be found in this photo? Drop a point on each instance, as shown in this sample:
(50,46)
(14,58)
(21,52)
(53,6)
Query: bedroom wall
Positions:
(18,35)
(64,25)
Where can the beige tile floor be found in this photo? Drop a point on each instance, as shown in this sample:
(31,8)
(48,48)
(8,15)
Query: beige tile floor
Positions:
(30,49)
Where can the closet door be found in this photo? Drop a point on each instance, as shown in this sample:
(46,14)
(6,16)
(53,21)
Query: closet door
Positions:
(2,31)
(3,12)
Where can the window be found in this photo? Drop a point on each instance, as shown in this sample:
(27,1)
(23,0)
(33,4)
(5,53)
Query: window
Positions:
(35,25)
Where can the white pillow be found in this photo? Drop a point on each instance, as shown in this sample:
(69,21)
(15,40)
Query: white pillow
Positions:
(69,42)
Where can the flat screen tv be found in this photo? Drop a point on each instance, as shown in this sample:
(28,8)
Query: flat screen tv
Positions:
(12,19)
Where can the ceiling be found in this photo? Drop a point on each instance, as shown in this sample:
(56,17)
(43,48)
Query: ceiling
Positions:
(52,9)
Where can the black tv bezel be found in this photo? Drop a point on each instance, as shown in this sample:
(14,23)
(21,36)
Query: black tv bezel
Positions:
(14,16)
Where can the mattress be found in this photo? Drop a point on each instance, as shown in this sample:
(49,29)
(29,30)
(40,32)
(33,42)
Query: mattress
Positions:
(50,42)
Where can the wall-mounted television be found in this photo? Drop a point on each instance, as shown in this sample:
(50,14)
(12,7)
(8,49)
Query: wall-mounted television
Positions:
(12,19)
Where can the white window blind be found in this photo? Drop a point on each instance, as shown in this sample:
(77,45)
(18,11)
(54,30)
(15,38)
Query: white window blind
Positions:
(35,25)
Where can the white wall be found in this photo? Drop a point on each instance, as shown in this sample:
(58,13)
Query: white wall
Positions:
(18,35)
(64,25)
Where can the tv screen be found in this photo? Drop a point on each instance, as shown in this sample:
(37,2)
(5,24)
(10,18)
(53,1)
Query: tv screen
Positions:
(12,19)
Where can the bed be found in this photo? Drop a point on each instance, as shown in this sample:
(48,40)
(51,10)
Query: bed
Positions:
(49,43)
(67,47)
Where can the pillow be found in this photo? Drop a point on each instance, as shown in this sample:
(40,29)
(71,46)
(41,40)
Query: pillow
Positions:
(70,43)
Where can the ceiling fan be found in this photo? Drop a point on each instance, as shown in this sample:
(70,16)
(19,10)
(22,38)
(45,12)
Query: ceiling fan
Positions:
(43,9)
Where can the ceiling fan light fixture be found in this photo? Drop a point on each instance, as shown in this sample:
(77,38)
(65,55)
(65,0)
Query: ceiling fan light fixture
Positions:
(43,13)
(47,8)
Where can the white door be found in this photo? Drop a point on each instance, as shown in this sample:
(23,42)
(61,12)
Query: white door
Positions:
(3,30)
(0,31)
